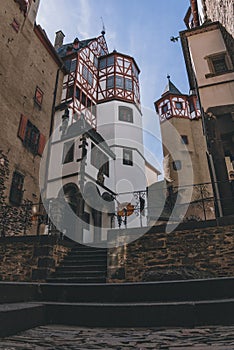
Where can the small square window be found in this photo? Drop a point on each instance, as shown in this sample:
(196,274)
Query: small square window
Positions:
(179,105)
(218,63)
(165,108)
(127,157)
(177,165)
(184,139)
(38,98)
(125,114)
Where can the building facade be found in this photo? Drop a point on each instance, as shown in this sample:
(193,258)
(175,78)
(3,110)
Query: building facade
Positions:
(209,58)
(184,150)
(97,143)
(29,66)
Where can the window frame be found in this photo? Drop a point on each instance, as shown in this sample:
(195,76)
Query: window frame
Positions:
(177,165)
(215,57)
(127,151)
(68,152)
(16,190)
(99,160)
(38,96)
(184,139)
(127,118)
(31,138)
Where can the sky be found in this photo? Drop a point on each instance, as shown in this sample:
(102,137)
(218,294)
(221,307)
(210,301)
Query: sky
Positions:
(141,29)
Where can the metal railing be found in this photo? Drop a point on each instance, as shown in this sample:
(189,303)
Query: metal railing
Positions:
(134,209)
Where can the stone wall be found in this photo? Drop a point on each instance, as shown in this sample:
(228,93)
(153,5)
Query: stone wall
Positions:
(222,11)
(26,63)
(30,258)
(193,250)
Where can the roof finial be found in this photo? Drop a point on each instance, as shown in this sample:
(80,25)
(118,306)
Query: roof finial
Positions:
(168,77)
(103,32)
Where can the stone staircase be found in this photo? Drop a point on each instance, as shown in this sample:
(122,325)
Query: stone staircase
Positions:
(189,303)
(83,264)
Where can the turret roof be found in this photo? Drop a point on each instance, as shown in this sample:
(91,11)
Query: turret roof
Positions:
(171,88)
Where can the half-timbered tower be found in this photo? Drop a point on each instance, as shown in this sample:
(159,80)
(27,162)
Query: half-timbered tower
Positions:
(183,113)
(98,137)
(183,141)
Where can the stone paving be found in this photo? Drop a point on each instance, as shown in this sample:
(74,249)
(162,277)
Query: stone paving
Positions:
(55,337)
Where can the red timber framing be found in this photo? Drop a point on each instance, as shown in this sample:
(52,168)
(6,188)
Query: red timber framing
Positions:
(182,106)
(118,79)
(81,83)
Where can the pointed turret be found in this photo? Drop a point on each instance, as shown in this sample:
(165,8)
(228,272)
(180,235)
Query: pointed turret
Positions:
(174,104)
(171,88)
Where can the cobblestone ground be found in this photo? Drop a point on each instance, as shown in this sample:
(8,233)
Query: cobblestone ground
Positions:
(63,337)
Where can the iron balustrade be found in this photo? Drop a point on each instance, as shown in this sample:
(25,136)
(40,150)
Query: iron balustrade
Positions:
(162,204)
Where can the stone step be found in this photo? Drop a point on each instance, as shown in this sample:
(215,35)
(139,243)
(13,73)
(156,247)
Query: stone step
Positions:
(173,291)
(17,317)
(78,267)
(85,262)
(88,249)
(84,258)
(183,314)
(75,280)
(77,273)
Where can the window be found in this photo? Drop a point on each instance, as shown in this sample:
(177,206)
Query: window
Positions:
(128,84)
(110,61)
(95,61)
(127,157)
(102,63)
(125,114)
(119,82)
(70,65)
(177,165)
(184,139)
(32,139)
(99,160)
(110,82)
(179,105)
(218,64)
(90,78)
(68,152)
(70,91)
(85,72)
(38,96)
(16,191)
(164,108)
(83,99)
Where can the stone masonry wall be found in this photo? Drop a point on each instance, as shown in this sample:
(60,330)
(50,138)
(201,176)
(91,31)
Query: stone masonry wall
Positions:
(30,258)
(222,11)
(183,254)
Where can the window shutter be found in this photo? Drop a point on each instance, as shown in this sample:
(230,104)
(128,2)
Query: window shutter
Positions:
(22,127)
(41,144)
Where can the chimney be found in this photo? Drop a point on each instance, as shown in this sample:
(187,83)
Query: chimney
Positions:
(58,39)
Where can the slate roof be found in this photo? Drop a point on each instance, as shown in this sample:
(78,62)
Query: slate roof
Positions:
(171,89)
(62,51)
